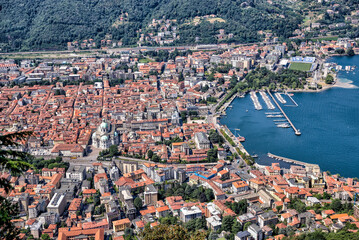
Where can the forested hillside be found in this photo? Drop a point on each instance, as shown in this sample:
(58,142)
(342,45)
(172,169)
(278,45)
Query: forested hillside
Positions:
(49,24)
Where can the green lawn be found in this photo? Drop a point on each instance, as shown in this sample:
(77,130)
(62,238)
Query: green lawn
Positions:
(145,60)
(300,66)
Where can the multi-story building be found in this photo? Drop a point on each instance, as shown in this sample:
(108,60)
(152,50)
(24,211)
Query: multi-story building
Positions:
(121,225)
(187,214)
(267,218)
(150,195)
(76,172)
(201,140)
(57,204)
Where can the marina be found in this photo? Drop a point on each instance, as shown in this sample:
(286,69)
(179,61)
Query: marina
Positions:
(328,122)
(280,98)
(267,100)
(255,100)
(296,131)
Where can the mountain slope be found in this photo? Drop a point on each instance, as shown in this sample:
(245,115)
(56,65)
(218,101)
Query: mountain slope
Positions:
(48,24)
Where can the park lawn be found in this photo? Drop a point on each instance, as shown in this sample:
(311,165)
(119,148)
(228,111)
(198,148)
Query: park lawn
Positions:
(300,66)
(145,60)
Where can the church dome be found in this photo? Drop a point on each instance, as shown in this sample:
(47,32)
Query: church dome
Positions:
(103,125)
(115,134)
(104,138)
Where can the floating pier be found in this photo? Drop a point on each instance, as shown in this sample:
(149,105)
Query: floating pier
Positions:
(292,100)
(255,100)
(296,131)
(280,98)
(267,100)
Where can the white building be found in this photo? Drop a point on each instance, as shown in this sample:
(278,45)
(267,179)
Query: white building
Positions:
(187,214)
(57,203)
(105,136)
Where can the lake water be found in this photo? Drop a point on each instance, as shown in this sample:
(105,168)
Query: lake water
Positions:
(328,121)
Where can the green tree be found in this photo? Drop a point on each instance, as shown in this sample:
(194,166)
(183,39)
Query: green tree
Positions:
(138,203)
(246,225)
(227,223)
(155,158)
(149,154)
(350,52)
(340,51)
(236,227)
(209,194)
(191,225)
(14,162)
(113,150)
(212,155)
(213,236)
(336,205)
(329,79)
(45,236)
(201,223)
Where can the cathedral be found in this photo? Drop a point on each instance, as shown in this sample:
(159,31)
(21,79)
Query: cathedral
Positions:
(105,136)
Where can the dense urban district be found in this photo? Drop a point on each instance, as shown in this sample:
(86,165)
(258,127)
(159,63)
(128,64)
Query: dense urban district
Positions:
(127,145)
(102,142)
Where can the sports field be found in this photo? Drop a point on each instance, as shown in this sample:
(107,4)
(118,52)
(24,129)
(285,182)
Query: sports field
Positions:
(300,66)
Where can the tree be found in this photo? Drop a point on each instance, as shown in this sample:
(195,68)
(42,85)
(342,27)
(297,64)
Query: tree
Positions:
(149,154)
(336,205)
(191,225)
(340,51)
(213,236)
(138,203)
(329,79)
(155,158)
(227,223)
(209,194)
(214,137)
(113,150)
(350,52)
(298,205)
(202,197)
(236,227)
(212,155)
(246,225)
(200,223)
(12,161)
(45,236)
(128,232)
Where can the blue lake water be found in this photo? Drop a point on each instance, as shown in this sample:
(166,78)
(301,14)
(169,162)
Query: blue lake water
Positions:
(328,121)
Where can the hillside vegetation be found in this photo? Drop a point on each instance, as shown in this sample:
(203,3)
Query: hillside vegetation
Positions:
(48,24)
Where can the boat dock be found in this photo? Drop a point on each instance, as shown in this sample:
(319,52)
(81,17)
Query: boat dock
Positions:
(280,98)
(296,131)
(255,100)
(267,100)
(292,100)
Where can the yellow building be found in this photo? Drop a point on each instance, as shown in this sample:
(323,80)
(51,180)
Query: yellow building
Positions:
(121,225)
